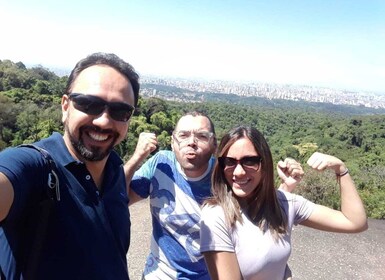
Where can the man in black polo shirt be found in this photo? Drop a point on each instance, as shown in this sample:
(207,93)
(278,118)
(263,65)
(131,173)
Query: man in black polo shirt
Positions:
(86,234)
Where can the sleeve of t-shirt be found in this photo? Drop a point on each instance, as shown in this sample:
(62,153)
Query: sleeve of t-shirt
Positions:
(304,208)
(215,235)
(141,181)
(300,208)
(24,168)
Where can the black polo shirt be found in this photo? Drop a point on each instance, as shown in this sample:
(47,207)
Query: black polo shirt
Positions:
(88,233)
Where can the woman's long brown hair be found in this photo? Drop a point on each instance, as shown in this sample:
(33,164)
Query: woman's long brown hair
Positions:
(262,206)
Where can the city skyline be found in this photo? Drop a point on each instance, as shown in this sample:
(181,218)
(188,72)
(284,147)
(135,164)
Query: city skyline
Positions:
(190,90)
(335,44)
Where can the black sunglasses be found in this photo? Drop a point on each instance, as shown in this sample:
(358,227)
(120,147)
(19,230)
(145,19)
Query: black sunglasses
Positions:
(253,162)
(93,105)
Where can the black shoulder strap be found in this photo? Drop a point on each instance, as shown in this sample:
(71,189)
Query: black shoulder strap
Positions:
(53,189)
(53,192)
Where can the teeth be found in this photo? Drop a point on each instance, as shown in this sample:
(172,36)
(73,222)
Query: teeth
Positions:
(98,137)
(241,182)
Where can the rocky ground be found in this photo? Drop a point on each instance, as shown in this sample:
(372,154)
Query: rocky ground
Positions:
(316,254)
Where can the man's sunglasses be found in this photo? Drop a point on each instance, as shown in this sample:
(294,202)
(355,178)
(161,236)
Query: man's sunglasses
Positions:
(253,162)
(93,105)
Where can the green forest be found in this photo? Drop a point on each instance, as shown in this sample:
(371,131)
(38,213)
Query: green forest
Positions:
(30,110)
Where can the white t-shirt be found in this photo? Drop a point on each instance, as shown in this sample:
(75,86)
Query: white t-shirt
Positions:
(259,255)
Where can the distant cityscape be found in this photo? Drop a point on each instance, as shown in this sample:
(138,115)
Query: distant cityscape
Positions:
(188,90)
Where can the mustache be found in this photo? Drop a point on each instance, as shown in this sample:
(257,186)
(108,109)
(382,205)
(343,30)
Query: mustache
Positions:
(97,129)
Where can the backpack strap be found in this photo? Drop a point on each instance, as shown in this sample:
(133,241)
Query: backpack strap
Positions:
(42,220)
(53,189)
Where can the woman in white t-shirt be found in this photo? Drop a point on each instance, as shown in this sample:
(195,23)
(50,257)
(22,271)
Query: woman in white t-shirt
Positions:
(246,225)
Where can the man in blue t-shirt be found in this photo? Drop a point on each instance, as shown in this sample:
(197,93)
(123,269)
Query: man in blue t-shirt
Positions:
(86,233)
(177,182)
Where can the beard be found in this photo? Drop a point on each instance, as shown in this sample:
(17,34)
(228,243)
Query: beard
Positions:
(92,153)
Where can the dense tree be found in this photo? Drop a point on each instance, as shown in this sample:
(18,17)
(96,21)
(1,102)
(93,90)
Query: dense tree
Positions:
(41,73)
(161,120)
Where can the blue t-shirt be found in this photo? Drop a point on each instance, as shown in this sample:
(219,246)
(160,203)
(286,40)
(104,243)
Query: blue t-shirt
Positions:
(175,202)
(88,233)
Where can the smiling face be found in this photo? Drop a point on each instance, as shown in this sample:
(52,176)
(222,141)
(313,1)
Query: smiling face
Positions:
(92,137)
(193,154)
(242,180)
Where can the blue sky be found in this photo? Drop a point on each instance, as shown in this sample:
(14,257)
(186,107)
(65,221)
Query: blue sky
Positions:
(329,43)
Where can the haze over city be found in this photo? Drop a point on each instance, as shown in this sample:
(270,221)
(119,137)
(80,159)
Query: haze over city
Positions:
(334,44)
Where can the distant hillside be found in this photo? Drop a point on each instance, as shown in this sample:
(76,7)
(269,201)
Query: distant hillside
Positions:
(173,93)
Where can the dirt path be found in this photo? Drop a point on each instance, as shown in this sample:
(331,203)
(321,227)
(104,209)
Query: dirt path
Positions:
(316,254)
(325,255)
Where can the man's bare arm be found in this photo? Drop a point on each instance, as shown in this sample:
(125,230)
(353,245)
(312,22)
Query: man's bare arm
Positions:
(147,143)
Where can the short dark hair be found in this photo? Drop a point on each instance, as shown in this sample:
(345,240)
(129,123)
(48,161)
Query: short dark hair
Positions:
(200,114)
(108,59)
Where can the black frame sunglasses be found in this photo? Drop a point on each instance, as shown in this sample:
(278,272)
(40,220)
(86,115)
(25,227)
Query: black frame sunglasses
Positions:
(252,162)
(93,105)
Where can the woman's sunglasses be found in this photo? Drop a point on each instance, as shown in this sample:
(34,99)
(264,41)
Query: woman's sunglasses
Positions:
(253,162)
(93,105)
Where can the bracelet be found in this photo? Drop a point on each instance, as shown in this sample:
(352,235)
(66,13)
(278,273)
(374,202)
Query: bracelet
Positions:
(343,173)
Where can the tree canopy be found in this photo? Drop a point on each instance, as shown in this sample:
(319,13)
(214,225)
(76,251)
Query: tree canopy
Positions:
(30,110)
